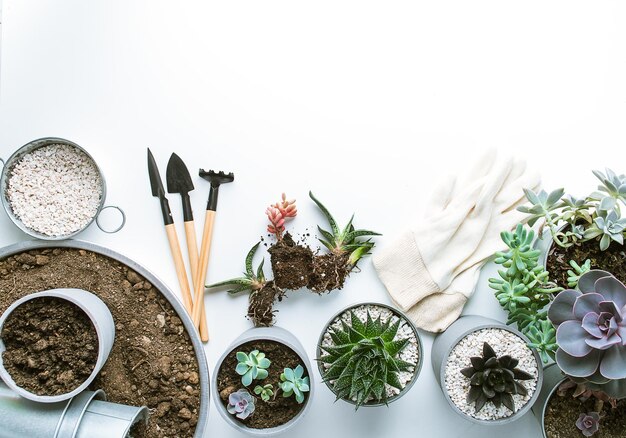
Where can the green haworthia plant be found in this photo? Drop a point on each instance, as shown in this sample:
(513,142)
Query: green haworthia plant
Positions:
(252,366)
(364,359)
(293,382)
(344,241)
(494,379)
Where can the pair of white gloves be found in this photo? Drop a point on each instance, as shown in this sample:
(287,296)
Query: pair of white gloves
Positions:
(431,271)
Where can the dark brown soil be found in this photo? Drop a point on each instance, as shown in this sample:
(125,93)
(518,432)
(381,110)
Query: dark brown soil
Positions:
(563,411)
(152,362)
(612,260)
(261,302)
(292,264)
(278,410)
(51,346)
(329,272)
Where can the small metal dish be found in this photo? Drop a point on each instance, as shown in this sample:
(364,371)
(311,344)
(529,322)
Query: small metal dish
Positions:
(30,147)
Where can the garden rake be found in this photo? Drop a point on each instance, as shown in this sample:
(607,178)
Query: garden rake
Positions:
(215,179)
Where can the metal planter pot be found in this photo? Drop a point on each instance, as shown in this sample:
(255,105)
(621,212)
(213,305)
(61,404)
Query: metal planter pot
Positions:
(30,147)
(87,415)
(100,317)
(281,336)
(444,344)
(552,379)
(399,314)
(203,370)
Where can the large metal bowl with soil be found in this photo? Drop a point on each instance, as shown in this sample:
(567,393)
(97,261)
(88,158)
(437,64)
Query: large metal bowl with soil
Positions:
(157,359)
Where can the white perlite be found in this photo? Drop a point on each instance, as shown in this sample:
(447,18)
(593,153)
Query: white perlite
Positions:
(409,354)
(504,343)
(55,190)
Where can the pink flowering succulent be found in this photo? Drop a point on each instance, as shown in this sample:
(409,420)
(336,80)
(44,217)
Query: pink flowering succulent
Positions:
(278,213)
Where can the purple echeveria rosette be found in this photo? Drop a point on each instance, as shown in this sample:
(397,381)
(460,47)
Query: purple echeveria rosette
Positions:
(591,332)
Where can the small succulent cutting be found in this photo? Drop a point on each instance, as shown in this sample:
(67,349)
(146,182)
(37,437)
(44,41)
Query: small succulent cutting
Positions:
(294,382)
(250,281)
(346,241)
(364,359)
(263,292)
(591,332)
(494,379)
(571,220)
(588,423)
(252,366)
(241,404)
(266,391)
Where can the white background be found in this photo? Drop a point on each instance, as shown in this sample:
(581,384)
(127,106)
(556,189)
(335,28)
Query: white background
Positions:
(364,102)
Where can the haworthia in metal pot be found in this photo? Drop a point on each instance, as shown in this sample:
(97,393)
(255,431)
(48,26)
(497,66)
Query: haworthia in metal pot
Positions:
(364,358)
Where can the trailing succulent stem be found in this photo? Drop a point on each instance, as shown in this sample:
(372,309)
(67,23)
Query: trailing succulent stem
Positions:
(494,379)
(524,290)
(364,359)
(344,241)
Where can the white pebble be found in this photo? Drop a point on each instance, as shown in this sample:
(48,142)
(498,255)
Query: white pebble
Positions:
(55,190)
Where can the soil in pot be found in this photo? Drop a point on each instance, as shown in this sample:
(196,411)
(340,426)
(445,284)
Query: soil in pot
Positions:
(409,354)
(278,410)
(261,302)
(292,263)
(152,362)
(562,411)
(51,346)
(612,260)
(504,343)
(329,272)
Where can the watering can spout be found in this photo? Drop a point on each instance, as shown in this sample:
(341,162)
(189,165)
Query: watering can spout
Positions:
(87,415)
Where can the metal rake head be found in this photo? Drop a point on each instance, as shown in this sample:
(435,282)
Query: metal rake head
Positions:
(217,178)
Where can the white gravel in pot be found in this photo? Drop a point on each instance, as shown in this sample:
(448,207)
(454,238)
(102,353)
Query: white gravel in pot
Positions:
(55,190)
(405,331)
(504,343)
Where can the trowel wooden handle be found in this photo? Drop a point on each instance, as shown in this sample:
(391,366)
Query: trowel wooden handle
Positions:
(203,264)
(179,264)
(192,249)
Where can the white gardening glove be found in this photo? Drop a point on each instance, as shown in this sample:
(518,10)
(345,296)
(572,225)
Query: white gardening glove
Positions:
(436,312)
(457,234)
